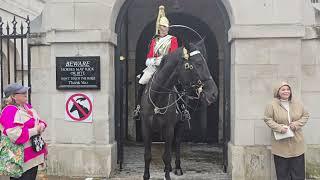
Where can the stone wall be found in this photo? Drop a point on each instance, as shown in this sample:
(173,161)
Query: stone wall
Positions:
(269,42)
(20,8)
(311,96)
(75,149)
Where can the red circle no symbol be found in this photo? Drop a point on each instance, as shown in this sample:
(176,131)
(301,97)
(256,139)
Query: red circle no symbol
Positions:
(79,108)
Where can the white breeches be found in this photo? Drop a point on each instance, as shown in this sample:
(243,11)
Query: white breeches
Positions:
(147,74)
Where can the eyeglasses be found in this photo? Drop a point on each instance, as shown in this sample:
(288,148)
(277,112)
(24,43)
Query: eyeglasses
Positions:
(21,93)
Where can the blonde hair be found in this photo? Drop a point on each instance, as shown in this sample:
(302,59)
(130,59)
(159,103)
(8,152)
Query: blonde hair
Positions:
(7,101)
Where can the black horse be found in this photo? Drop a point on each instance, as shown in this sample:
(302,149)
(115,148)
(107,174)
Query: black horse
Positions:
(188,68)
(75,108)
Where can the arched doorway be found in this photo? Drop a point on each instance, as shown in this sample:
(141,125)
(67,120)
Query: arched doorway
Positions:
(135,27)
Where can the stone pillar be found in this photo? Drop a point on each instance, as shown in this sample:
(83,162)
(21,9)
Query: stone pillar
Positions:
(75,28)
(261,56)
(311,96)
(265,49)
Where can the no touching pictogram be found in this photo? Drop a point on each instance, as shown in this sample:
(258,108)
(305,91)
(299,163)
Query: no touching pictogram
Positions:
(79,107)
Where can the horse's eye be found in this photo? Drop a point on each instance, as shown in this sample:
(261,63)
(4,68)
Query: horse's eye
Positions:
(197,64)
(186,66)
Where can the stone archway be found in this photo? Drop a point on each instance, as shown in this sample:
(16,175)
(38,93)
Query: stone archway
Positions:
(205,121)
(219,23)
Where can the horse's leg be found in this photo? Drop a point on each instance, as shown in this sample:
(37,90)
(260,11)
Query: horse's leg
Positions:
(178,138)
(147,135)
(166,157)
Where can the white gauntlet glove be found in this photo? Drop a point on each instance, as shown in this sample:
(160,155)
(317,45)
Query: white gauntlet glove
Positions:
(158,60)
(154,61)
(150,61)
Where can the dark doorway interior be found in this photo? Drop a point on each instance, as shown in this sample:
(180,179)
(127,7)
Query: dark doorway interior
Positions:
(204,122)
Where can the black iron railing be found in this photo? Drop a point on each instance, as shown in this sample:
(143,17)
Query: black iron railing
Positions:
(14,50)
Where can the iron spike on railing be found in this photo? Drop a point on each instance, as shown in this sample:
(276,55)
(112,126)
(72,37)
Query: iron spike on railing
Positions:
(28,24)
(1,28)
(8,29)
(21,28)
(14,24)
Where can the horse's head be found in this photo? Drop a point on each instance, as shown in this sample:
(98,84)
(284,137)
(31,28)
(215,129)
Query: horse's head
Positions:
(194,73)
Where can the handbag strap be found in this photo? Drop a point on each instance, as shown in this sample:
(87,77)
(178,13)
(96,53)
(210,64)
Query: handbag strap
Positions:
(1,131)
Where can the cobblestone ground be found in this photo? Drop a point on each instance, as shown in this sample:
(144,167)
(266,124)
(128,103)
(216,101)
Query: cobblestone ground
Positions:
(198,161)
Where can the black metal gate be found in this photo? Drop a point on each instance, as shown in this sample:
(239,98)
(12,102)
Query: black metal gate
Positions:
(15,59)
(121,77)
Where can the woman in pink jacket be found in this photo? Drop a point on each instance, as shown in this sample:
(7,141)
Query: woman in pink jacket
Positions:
(21,123)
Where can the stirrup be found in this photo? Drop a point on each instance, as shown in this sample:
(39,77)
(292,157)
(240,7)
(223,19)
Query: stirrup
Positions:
(136,112)
(186,115)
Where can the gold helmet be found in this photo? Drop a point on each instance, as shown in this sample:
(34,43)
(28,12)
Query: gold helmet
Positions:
(162,20)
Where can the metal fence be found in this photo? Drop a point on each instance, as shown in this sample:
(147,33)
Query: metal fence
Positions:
(15,59)
(315,1)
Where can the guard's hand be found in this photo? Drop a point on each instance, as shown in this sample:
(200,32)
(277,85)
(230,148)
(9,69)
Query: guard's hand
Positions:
(150,61)
(158,60)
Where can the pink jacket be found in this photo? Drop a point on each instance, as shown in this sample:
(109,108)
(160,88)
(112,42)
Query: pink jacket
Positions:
(19,127)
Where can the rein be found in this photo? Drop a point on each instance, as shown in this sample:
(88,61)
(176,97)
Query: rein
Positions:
(199,86)
(157,110)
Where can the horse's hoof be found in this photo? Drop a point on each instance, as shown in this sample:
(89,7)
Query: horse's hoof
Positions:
(146,177)
(178,172)
(167,176)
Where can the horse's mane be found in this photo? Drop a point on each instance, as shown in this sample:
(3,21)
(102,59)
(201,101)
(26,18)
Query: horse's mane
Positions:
(198,46)
(168,64)
(176,55)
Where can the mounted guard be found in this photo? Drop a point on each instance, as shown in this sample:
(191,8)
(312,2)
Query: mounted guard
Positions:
(161,45)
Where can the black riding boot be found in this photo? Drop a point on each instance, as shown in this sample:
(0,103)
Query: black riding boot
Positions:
(136,112)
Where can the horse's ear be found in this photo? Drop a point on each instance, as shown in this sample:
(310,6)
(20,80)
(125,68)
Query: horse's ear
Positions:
(200,43)
(187,46)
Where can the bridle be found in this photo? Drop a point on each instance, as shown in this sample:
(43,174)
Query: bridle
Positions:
(198,86)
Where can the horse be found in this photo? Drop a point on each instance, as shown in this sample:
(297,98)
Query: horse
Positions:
(75,108)
(187,67)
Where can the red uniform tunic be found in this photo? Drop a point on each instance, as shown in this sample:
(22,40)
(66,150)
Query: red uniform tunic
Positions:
(173,47)
(159,47)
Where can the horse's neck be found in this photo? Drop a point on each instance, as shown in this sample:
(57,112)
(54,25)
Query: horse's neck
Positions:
(161,92)
(162,84)
(165,78)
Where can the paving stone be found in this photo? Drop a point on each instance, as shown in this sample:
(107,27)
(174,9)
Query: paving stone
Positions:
(198,162)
